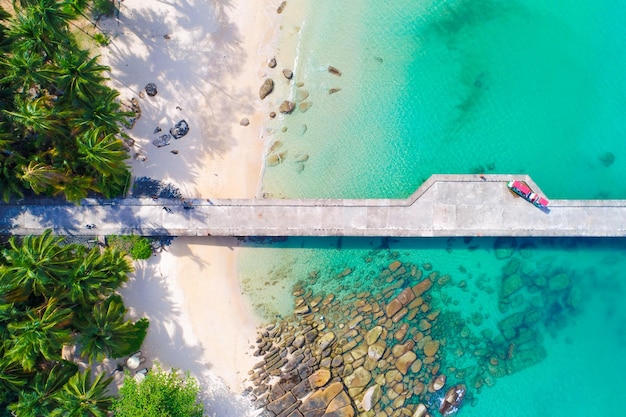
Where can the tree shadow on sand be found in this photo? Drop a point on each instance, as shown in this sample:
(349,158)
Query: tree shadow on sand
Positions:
(191,46)
(150,295)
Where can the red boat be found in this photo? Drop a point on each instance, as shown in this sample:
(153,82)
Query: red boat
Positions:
(523,190)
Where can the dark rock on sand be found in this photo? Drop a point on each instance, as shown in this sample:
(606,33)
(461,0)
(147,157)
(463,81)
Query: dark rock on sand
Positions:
(180,129)
(266,88)
(281,8)
(244,122)
(288,74)
(162,140)
(334,90)
(151,89)
(272,63)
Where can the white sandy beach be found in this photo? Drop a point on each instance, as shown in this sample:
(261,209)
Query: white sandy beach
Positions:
(208,60)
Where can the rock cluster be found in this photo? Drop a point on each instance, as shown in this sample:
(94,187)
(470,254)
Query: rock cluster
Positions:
(361,353)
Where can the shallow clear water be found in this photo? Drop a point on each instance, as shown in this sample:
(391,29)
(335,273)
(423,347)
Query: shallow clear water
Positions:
(584,367)
(464,86)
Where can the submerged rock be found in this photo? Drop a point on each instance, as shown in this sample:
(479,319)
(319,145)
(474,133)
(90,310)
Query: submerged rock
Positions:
(286,107)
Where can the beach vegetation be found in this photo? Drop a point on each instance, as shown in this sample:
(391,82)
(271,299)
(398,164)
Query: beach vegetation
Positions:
(57,296)
(139,247)
(160,393)
(60,124)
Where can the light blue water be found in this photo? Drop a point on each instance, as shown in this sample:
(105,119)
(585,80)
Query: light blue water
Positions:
(465,86)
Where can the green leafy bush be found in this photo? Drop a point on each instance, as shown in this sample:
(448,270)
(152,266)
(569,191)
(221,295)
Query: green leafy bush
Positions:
(161,393)
(138,247)
(103,8)
(101,39)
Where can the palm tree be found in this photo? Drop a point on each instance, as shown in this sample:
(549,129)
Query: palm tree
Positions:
(76,187)
(94,277)
(40,399)
(79,76)
(105,333)
(35,116)
(34,267)
(104,152)
(103,113)
(41,335)
(81,397)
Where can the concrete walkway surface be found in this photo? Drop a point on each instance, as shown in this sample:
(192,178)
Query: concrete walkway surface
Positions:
(445,205)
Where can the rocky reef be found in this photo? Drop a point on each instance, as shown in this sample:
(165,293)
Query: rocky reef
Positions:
(412,342)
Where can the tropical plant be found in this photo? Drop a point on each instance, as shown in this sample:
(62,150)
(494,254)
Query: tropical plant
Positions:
(82,397)
(106,332)
(34,266)
(41,335)
(161,393)
(40,399)
(139,247)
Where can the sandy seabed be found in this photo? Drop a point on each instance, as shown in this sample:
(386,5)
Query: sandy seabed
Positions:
(208,60)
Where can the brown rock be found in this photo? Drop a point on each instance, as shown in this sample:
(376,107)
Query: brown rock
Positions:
(334,90)
(394,265)
(319,378)
(377,350)
(266,88)
(373,334)
(359,351)
(424,325)
(334,71)
(406,296)
(371,397)
(399,350)
(416,366)
(393,307)
(431,347)
(320,399)
(244,122)
(272,63)
(340,401)
(358,380)
(401,332)
(420,411)
(281,7)
(326,340)
(439,382)
(304,106)
(422,287)
(286,107)
(288,74)
(347,411)
(400,314)
(280,404)
(404,362)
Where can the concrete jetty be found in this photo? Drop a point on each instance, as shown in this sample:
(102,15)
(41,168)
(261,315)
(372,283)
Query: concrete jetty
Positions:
(445,205)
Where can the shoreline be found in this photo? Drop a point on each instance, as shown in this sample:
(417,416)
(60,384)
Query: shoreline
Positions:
(208,62)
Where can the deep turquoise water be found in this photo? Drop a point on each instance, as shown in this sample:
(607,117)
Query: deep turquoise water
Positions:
(467,86)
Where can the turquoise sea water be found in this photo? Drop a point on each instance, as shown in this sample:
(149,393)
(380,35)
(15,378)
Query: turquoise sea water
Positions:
(467,86)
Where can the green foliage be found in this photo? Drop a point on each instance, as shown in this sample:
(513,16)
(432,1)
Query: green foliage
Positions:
(139,247)
(161,393)
(101,39)
(103,8)
(54,294)
(60,125)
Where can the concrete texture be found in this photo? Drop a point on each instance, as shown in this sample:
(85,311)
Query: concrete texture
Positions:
(445,205)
